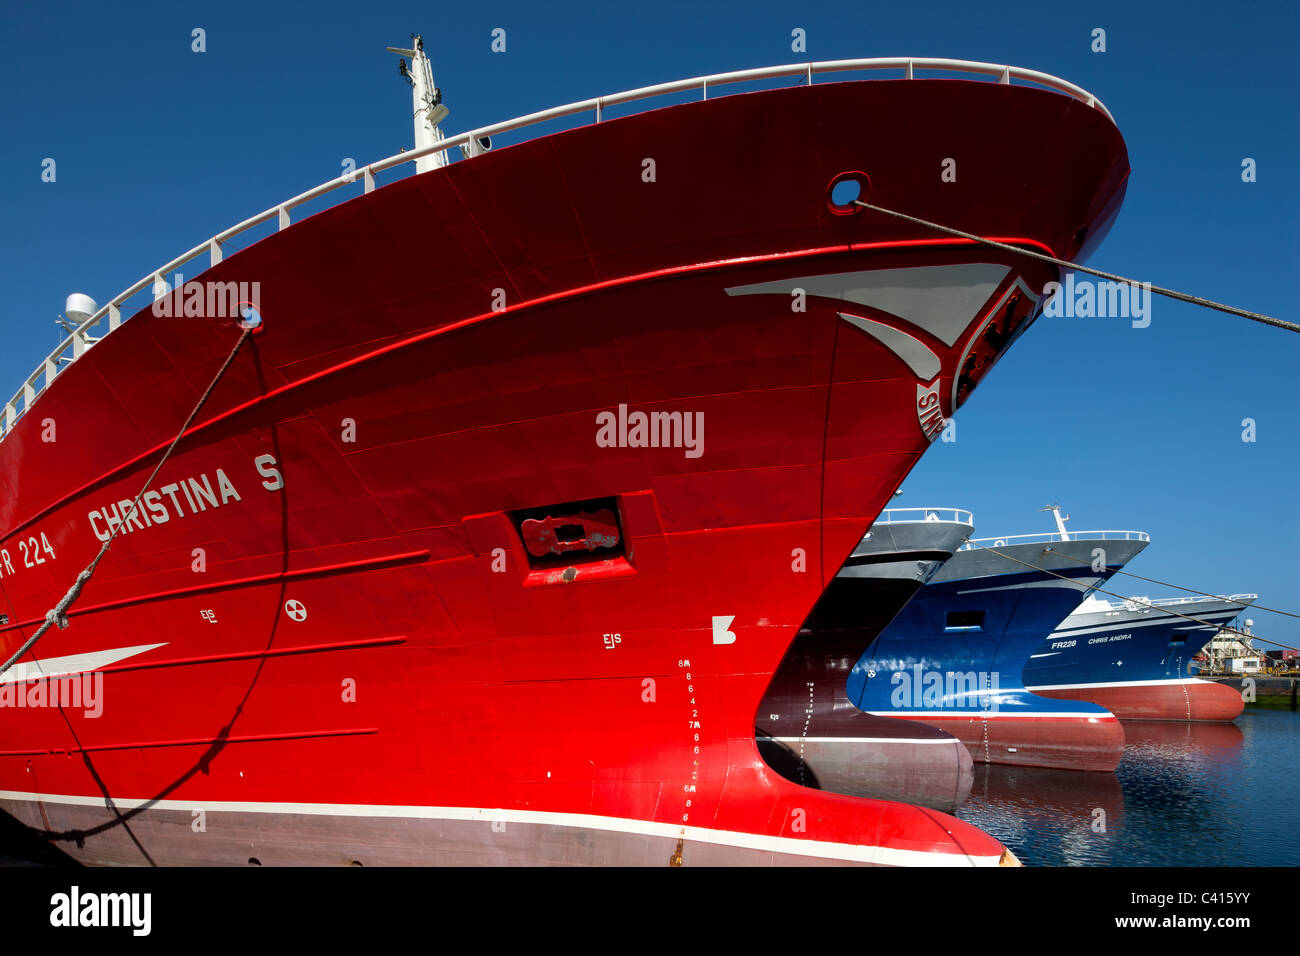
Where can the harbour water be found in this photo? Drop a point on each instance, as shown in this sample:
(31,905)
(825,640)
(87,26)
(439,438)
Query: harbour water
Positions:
(1185,794)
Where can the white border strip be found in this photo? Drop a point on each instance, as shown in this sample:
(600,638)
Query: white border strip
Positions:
(1116,627)
(1123,683)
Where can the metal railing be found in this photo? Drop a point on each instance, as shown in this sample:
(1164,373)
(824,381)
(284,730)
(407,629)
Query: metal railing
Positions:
(899,515)
(80,339)
(1047,537)
(1242,599)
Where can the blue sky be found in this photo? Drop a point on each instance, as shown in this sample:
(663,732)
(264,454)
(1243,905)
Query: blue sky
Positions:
(158,148)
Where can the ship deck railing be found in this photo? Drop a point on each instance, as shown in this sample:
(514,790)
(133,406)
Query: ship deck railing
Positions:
(81,338)
(1242,599)
(1047,537)
(901,515)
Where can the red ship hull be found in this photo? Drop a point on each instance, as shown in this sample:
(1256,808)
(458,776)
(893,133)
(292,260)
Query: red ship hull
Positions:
(350,654)
(1189,699)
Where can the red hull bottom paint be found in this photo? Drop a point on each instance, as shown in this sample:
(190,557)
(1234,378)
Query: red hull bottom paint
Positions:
(1181,700)
(1062,743)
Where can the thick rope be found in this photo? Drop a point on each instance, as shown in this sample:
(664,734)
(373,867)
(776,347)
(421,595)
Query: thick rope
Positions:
(1217,597)
(57,616)
(1194,620)
(1181,296)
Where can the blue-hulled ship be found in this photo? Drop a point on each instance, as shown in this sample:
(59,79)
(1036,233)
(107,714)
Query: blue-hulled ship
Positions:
(1134,657)
(953,657)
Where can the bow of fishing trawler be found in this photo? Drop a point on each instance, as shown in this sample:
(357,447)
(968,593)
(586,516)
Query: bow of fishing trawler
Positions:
(1134,657)
(485,545)
(807,728)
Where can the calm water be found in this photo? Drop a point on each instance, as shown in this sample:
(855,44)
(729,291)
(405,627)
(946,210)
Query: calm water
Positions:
(1184,795)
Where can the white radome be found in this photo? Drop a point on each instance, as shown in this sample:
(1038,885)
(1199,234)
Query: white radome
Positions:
(79,307)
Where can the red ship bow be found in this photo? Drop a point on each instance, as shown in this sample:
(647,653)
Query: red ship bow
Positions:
(699,386)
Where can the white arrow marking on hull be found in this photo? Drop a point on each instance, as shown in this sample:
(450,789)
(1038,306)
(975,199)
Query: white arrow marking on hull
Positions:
(73,663)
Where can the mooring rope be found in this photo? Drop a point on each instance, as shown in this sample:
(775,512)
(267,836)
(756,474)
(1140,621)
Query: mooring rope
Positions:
(1170,293)
(1148,604)
(58,615)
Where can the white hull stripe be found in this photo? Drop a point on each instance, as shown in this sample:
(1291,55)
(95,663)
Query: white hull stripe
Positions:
(888,856)
(1077,630)
(72,664)
(1123,683)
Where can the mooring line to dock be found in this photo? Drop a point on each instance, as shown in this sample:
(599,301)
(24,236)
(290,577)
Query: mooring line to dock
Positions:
(1147,604)
(58,615)
(1064,263)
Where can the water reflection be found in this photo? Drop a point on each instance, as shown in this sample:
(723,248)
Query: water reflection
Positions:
(1173,741)
(1046,816)
(1185,794)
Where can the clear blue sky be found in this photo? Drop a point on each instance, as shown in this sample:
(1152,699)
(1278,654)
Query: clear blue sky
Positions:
(158,147)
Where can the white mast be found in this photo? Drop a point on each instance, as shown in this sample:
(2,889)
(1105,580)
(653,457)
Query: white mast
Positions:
(426,101)
(1060,521)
